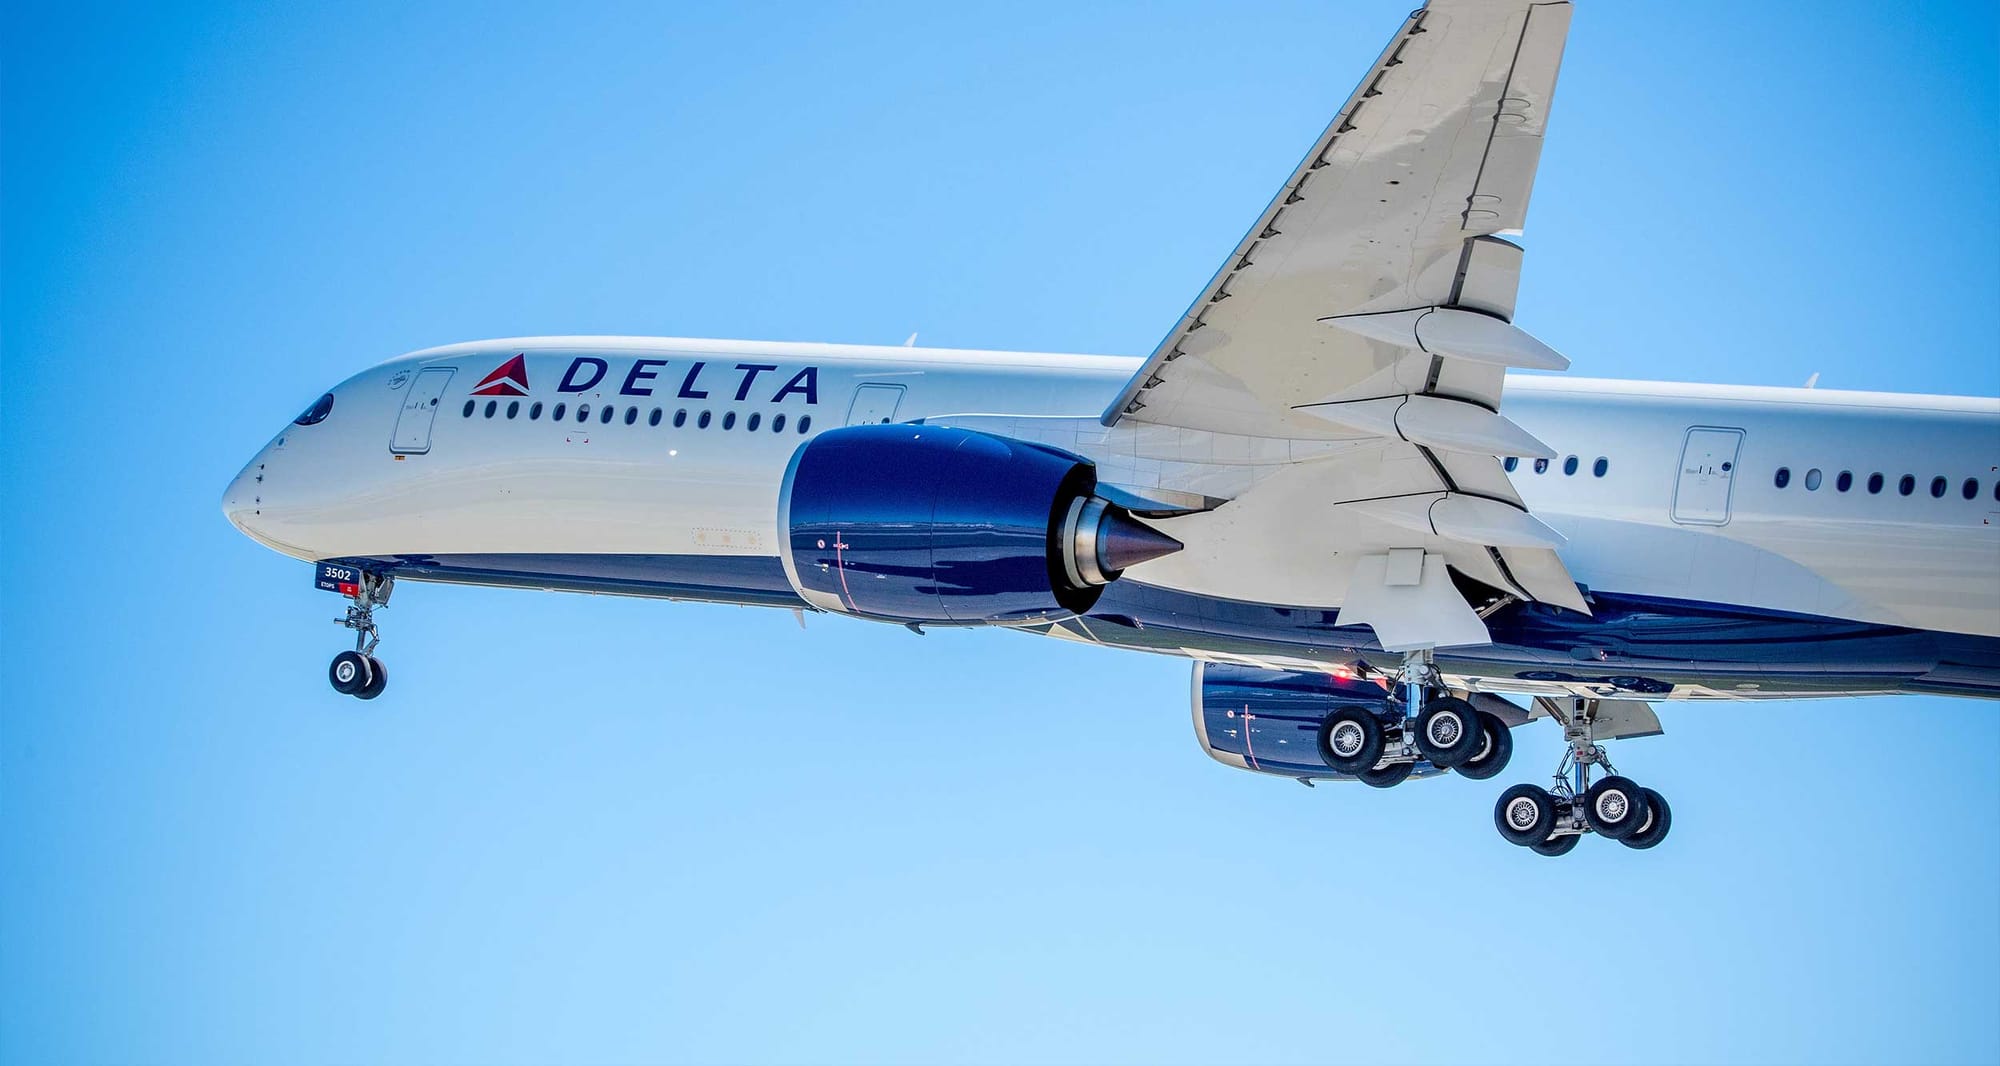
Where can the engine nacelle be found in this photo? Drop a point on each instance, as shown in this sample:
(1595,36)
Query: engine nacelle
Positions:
(1269,720)
(915,523)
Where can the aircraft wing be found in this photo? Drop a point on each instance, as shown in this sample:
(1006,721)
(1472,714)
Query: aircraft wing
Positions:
(1372,302)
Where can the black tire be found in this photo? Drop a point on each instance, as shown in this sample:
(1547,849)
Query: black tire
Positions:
(348,672)
(1615,807)
(1448,732)
(1387,776)
(1561,845)
(1659,819)
(376,683)
(1524,814)
(1495,749)
(1350,740)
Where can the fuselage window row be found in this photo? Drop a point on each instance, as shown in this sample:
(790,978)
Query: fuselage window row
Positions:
(1905,486)
(1570,465)
(608,412)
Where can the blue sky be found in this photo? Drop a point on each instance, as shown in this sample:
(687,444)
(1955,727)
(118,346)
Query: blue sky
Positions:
(601,830)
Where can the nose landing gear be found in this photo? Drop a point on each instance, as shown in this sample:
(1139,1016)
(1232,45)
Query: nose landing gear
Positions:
(1551,821)
(359,673)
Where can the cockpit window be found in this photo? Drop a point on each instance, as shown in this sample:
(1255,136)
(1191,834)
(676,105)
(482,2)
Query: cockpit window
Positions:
(317,412)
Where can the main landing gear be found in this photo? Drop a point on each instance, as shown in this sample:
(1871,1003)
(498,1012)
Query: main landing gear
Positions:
(1551,822)
(1383,750)
(359,673)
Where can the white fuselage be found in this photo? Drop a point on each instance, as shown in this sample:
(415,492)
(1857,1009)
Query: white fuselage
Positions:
(1687,505)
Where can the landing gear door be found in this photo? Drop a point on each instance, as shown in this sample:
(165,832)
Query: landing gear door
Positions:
(420,405)
(1707,474)
(874,405)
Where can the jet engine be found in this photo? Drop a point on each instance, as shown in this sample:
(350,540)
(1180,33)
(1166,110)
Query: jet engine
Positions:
(925,524)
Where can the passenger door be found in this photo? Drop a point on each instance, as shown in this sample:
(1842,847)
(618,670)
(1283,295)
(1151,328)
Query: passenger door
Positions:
(420,404)
(874,404)
(1707,475)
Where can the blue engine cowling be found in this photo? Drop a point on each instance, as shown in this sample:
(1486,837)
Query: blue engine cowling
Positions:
(1268,720)
(914,523)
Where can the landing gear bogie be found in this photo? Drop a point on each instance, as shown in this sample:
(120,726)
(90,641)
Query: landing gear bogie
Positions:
(1385,748)
(1551,822)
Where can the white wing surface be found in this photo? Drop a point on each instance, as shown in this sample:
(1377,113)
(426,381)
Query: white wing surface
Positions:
(1373,302)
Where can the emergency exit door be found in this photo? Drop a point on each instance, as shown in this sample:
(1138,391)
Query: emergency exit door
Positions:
(1708,471)
(874,404)
(420,406)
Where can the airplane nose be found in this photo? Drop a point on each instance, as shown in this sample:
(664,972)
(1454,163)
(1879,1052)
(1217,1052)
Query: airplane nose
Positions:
(242,500)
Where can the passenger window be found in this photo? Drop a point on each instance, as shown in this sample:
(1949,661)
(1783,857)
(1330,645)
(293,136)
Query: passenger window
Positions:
(702,422)
(1845,481)
(1508,464)
(631,415)
(1907,485)
(805,423)
(1601,467)
(513,408)
(680,418)
(1541,466)
(729,420)
(469,405)
(535,411)
(654,418)
(556,415)
(583,412)
(1874,484)
(751,426)
(1569,466)
(492,406)
(1938,485)
(777,423)
(1783,478)
(1812,480)
(604,416)
(1971,489)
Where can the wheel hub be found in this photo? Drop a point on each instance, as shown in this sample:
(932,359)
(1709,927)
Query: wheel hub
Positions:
(1613,806)
(1521,813)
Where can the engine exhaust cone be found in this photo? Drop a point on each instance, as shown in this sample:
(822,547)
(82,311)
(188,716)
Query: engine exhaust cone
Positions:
(1124,541)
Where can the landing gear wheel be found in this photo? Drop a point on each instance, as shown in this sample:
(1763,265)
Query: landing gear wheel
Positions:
(1386,776)
(1525,814)
(1350,740)
(1448,731)
(376,683)
(1561,845)
(1615,807)
(349,673)
(1659,819)
(1495,748)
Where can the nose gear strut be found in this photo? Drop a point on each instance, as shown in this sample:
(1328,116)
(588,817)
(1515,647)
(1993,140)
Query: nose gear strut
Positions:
(358,673)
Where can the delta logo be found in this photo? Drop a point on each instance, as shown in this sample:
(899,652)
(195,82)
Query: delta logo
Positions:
(588,372)
(511,379)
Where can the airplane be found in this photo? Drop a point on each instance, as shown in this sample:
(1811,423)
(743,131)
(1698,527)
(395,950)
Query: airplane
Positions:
(1346,484)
